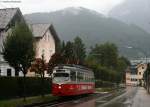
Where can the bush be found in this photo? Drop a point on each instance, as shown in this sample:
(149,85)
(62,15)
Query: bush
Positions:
(106,74)
(104,84)
(12,87)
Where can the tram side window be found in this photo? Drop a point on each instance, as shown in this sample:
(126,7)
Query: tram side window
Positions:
(84,77)
(87,78)
(80,76)
(90,79)
(73,76)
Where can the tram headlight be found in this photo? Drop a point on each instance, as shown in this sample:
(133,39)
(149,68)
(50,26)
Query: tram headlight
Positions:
(59,87)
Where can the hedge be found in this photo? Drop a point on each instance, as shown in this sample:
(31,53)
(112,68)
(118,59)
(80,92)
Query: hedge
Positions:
(106,84)
(12,87)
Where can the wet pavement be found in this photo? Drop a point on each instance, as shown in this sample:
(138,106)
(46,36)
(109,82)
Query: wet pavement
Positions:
(133,97)
(123,100)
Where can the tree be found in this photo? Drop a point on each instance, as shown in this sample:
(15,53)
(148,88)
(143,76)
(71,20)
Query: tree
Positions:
(56,59)
(62,47)
(122,65)
(69,54)
(146,76)
(79,50)
(18,49)
(73,52)
(106,63)
(106,54)
(39,67)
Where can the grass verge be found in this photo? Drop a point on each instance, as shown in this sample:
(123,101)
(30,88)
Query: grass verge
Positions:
(29,100)
(104,89)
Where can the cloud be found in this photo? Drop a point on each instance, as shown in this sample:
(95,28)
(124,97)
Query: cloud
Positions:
(30,6)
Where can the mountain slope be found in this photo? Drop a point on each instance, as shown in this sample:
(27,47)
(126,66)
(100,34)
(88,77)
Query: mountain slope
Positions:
(93,28)
(133,12)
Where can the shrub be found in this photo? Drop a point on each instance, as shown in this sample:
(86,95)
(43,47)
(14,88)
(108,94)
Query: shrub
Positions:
(11,87)
(102,84)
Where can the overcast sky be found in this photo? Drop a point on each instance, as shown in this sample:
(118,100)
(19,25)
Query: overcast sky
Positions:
(31,6)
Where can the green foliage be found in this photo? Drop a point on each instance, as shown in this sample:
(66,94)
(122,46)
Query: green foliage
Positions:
(56,58)
(73,52)
(104,73)
(29,101)
(122,64)
(39,66)
(68,51)
(62,47)
(18,47)
(79,49)
(147,72)
(106,54)
(106,63)
(100,83)
(12,87)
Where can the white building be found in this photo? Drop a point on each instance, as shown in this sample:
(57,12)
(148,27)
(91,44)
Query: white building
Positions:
(8,19)
(46,42)
(46,39)
(134,74)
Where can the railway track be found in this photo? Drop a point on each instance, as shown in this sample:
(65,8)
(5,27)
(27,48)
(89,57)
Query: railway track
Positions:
(75,99)
(64,100)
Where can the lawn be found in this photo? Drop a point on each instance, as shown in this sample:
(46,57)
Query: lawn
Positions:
(29,100)
(104,89)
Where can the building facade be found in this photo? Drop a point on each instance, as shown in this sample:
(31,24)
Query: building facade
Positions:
(134,74)
(46,42)
(46,39)
(8,18)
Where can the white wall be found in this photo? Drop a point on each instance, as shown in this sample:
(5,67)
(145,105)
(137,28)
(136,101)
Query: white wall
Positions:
(4,67)
(45,46)
(141,69)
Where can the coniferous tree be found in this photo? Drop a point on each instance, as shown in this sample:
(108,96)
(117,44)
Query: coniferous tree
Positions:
(79,50)
(18,49)
(69,52)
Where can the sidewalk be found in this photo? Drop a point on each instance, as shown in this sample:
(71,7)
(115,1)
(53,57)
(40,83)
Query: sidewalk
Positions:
(141,99)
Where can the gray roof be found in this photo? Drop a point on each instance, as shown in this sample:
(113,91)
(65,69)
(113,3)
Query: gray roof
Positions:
(39,30)
(6,15)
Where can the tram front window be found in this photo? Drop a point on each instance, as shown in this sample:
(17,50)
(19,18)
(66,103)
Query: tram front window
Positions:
(60,77)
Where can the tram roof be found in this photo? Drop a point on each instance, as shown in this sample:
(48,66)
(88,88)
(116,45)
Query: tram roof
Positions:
(73,66)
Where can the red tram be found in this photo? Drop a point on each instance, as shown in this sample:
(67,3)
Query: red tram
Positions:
(71,80)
